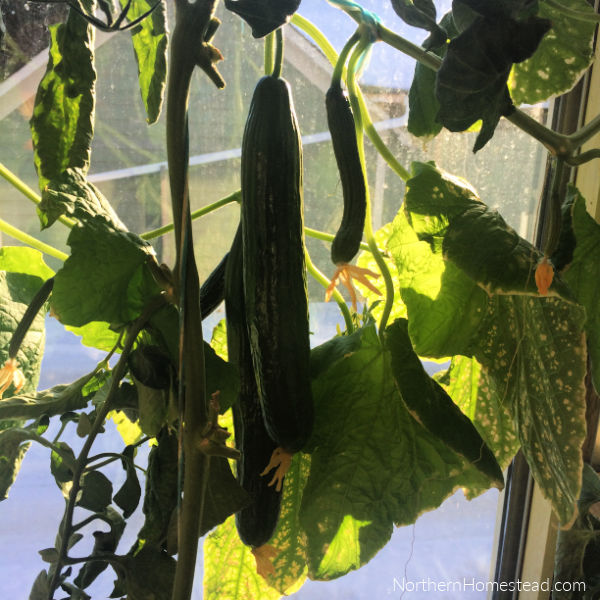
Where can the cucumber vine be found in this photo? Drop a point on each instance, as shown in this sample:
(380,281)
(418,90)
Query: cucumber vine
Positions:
(387,442)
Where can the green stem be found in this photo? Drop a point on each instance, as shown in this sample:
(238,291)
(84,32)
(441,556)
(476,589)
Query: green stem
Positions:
(587,132)
(278,64)
(20,185)
(63,426)
(396,41)
(574,14)
(36,304)
(554,219)
(154,233)
(556,143)
(322,279)
(331,55)
(378,142)
(369,234)
(329,237)
(34,437)
(338,70)
(191,22)
(317,35)
(91,519)
(31,241)
(584,157)
(66,527)
(269,47)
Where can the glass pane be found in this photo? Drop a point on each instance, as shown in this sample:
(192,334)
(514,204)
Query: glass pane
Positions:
(451,544)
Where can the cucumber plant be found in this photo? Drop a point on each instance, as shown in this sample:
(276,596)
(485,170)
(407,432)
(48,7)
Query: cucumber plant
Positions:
(362,437)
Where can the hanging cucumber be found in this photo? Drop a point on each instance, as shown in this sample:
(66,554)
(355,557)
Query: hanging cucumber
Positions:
(256,523)
(345,147)
(274,267)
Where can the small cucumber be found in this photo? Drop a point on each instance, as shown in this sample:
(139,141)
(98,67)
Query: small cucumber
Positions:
(345,147)
(274,263)
(255,523)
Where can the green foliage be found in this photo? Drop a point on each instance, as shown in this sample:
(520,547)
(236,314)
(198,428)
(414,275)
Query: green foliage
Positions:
(101,245)
(150,46)
(471,83)
(63,117)
(583,278)
(561,58)
(13,446)
(263,16)
(230,569)
(58,400)
(578,548)
(22,273)
(372,469)
(548,405)
(96,491)
(389,442)
(431,406)
(128,496)
(477,395)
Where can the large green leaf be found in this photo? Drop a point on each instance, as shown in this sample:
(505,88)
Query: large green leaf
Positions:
(105,278)
(582,276)
(535,349)
(444,209)
(263,16)
(96,334)
(25,260)
(55,401)
(423,106)
(471,82)
(16,291)
(149,574)
(160,496)
(478,396)
(561,58)
(444,306)
(230,568)
(224,495)
(433,408)
(70,194)
(373,466)
(63,117)
(22,274)
(150,46)
(532,347)
(367,261)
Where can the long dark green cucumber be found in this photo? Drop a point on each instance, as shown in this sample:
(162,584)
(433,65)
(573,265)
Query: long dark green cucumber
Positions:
(431,406)
(274,264)
(212,289)
(345,147)
(257,522)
